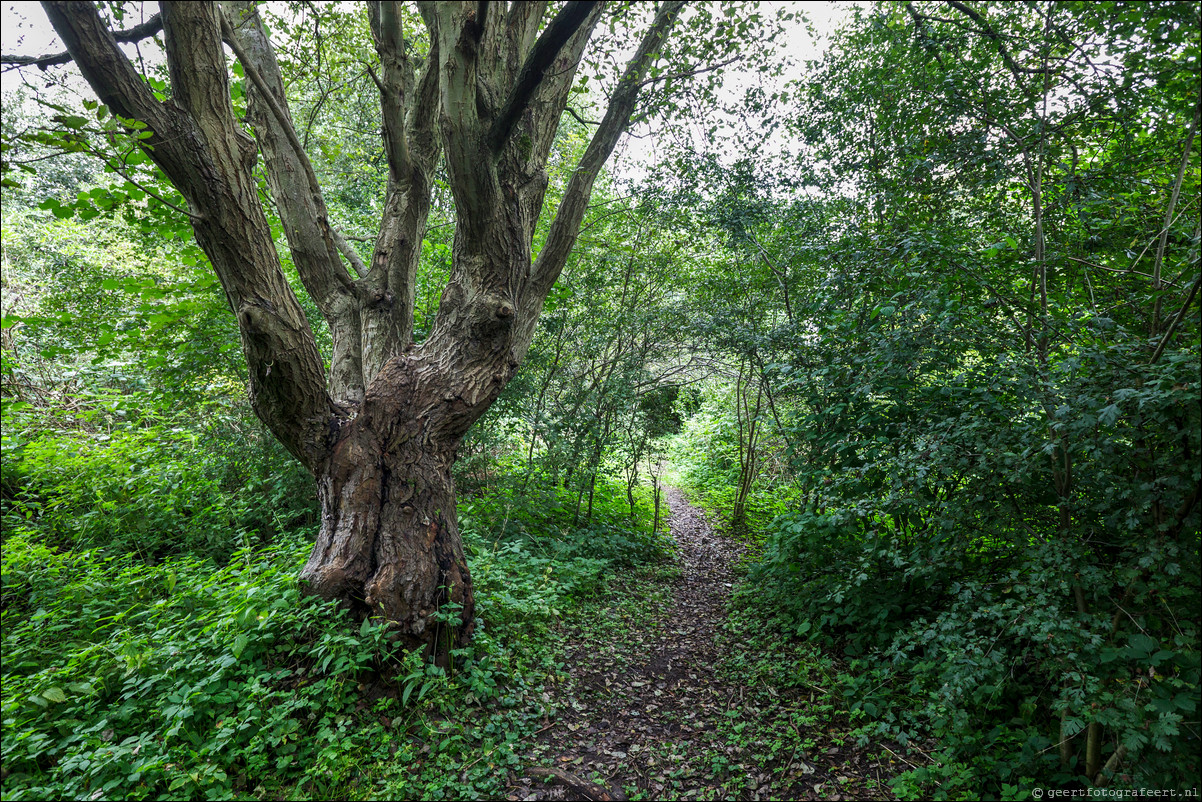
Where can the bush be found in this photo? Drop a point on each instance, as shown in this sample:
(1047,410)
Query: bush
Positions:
(1033,633)
(152,486)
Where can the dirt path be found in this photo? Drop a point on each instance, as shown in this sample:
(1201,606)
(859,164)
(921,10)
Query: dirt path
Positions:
(649,711)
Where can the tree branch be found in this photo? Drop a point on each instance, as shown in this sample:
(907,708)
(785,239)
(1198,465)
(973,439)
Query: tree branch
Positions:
(135,34)
(409,111)
(105,67)
(988,31)
(269,100)
(1169,217)
(421,114)
(521,28)
(673,76)
(390,46)
(777,273)
(197,143)
(119,170)
(579,119)
(588,790)
(316,259)
(347,250)
(1176,322)
(921,30)
(298,197)
(1127,272)
(565,227)
(552,40)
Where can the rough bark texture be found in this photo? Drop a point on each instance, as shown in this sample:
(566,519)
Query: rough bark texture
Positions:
(389,540)
(379,432)
(197,143)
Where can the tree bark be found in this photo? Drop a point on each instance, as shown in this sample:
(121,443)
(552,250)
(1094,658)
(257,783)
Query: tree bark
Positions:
(389,543)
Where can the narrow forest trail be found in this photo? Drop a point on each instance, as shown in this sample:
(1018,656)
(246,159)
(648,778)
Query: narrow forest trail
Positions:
(648,710)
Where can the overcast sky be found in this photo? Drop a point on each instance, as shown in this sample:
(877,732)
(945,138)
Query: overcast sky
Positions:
(24,29)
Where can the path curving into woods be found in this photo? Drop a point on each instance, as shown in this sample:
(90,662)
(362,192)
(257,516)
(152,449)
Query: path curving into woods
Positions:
(647,709)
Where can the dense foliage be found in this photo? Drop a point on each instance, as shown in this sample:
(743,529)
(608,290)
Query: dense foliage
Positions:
(976,337)
(157,644)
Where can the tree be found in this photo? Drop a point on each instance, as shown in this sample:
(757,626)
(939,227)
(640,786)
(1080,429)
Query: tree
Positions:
(380,430)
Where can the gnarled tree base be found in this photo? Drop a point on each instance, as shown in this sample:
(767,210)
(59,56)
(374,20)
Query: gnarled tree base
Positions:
(389,543)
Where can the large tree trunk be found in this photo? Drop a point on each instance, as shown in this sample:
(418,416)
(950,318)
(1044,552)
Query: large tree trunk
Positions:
(389,542)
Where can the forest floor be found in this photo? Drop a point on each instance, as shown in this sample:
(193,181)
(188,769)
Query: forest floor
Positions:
(658,704)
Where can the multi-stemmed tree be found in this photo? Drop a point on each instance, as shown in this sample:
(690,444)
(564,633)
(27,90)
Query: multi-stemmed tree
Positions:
(482,96)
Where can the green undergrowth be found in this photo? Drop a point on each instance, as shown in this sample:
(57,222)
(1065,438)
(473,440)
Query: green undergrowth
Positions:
(118,472)
(792,720)
(540,523)
(718,499)
(795,716)
(713,495)
(705,465)
(188,680)
(999,643)
(169,658)
(959,676)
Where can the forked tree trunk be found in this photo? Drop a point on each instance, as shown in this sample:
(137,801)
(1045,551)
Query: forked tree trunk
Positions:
(389,541)
(381,431)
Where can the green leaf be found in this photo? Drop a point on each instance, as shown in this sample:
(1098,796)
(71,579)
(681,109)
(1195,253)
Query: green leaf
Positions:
(1072,726)
(54,694)
(239,645)
(1141,646)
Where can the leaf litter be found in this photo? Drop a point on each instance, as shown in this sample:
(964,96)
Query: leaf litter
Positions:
(646,711)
